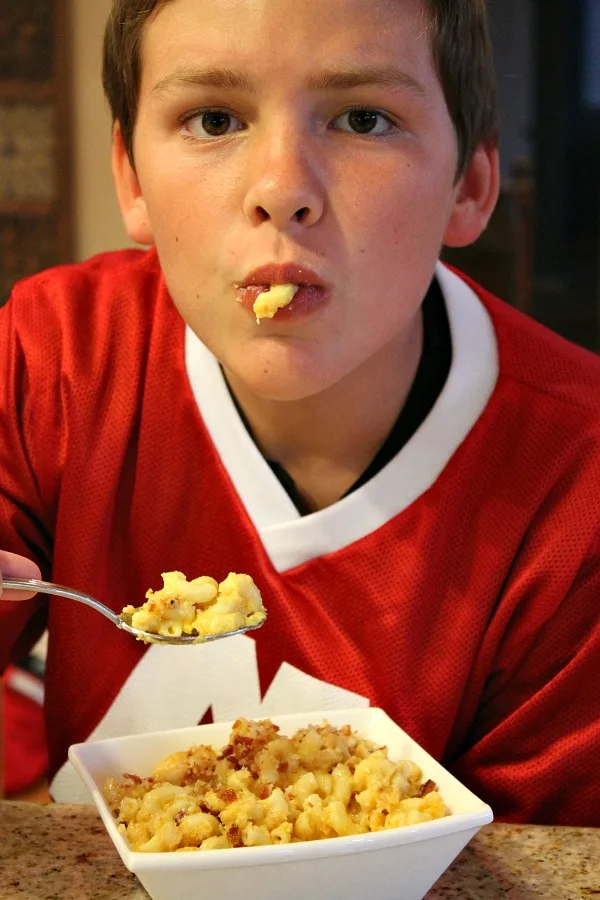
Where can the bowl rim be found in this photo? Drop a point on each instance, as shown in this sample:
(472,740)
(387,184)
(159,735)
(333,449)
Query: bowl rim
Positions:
(481,813)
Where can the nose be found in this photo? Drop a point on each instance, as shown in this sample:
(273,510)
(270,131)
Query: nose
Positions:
(286,188)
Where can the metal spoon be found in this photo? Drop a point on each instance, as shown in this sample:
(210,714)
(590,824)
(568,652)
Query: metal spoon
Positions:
(121,621)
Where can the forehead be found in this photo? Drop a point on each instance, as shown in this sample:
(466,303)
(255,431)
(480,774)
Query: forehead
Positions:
(274,34)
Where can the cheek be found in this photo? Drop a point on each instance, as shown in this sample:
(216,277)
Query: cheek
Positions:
(398,239)
(177,195)
(403,205)
(403,230)
(185,237)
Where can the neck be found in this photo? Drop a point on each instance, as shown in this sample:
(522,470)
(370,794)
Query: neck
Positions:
(327,440)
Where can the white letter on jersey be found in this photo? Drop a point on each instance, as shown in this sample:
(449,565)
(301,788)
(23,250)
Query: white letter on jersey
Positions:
(173,687)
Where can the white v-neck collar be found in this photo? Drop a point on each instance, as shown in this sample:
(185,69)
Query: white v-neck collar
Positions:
(290,539)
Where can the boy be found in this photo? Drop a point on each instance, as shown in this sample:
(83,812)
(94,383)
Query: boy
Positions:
(407,468)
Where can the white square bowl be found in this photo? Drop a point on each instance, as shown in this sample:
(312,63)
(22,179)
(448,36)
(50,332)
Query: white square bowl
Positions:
(397,864)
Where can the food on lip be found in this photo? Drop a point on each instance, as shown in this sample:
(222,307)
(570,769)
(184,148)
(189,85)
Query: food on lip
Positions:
(265,788)
(200,607)
(268,302)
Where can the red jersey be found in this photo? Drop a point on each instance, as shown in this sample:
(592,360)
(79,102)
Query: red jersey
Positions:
(459,589)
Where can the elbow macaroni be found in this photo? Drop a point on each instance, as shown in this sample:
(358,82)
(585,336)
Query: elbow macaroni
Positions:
(201,606)
(277,297)
(264,788)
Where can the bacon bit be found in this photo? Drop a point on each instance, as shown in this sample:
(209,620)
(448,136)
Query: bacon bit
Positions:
(227,795)
(427,788)
(385,812)
(265,792)
(135,778)
(234,835)
(206,809)
(244,739)
(283,766)
(227,751)
(233,761)
(180,815)
(151,780)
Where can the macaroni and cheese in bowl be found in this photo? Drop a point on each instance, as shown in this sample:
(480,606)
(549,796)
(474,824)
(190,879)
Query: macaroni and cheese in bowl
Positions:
(264,788)
(383,864)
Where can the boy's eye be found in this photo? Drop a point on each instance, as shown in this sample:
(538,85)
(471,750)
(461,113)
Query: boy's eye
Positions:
(363,121)
(212,123)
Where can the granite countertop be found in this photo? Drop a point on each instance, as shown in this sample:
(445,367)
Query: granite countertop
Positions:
(61,852)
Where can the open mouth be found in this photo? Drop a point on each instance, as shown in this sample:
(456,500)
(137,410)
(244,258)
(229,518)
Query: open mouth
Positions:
(282,290)
(281,301)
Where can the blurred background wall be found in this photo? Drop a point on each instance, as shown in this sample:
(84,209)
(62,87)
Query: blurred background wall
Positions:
(96,214)
(56,197)
(542,249)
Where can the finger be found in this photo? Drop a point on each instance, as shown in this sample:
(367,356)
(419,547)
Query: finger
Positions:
(18,567)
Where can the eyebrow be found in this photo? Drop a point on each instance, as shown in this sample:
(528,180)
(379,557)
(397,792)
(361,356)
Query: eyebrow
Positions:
(390,76)
(223,78)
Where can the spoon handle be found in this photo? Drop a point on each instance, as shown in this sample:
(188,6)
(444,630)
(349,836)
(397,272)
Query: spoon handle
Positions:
(47,587)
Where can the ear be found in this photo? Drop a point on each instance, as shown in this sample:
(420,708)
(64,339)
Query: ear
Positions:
(476,196)
(129,193)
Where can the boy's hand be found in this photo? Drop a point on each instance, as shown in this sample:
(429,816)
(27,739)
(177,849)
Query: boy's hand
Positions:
(18,567)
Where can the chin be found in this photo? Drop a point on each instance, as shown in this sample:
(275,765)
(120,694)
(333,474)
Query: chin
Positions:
(280,381)
(283,390)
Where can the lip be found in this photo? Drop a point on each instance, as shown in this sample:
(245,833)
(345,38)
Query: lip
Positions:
(313,294)
(283,273)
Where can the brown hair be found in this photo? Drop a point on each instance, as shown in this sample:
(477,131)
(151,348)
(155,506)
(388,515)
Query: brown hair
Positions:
(461,48)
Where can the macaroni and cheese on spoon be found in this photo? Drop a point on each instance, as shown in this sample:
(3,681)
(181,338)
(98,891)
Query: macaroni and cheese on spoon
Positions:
(182,612)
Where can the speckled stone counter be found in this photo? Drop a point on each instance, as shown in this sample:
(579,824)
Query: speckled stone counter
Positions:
(56,852)
(522,862)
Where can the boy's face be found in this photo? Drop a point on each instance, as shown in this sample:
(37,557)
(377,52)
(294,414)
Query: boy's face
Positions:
(312,132)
